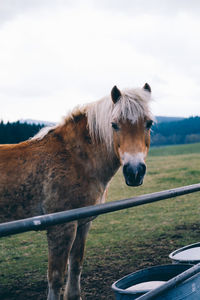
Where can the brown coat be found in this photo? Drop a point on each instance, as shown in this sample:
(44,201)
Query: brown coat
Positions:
(64,170)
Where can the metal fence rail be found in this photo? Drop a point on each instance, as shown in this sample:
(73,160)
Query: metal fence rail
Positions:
(42,222)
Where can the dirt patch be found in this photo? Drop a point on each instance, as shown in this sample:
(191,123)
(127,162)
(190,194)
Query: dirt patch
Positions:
(100,271)
(96,283)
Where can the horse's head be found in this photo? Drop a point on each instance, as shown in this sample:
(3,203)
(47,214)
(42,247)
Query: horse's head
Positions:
(131,123)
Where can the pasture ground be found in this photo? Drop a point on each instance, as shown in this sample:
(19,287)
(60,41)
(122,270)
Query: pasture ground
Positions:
(118,243)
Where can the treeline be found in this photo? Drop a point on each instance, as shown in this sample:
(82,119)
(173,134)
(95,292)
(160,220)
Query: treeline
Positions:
(11,133)
(165,133)
(178,132)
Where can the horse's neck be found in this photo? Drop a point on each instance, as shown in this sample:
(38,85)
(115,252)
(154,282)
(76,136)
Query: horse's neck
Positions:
(99,160)
(107,162)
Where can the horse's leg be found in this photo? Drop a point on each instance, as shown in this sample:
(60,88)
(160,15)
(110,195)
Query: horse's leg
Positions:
(72,291)
(60,239)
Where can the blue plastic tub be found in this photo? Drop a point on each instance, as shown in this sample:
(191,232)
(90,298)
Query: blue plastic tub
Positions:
(187,255)
(188,289)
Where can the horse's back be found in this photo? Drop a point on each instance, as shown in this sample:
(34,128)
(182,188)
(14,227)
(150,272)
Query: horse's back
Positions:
(19,181)
(36,178)
(50,175)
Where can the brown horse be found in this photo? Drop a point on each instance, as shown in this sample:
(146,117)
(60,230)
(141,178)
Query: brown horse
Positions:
(69,166)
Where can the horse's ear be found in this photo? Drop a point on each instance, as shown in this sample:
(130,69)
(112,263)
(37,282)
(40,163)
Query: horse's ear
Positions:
(115,94)
(147,87)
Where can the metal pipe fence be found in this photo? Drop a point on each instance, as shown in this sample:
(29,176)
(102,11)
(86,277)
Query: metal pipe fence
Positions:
(44,221)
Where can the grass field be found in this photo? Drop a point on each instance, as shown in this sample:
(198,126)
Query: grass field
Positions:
(118,243)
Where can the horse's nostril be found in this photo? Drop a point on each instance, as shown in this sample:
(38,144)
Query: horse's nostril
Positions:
(127,170)
(141,169)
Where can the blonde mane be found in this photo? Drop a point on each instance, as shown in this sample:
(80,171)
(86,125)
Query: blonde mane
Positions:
(132,105)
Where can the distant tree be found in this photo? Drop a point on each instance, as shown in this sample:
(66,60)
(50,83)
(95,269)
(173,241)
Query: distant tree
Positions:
(176,132)
(192,138)
(11,133)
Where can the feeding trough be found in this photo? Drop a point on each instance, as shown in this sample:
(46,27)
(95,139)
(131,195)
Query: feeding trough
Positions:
(187,255)
(167,282)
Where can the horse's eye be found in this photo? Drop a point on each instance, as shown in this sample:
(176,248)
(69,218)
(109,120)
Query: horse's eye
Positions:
(149,123)
(115,126)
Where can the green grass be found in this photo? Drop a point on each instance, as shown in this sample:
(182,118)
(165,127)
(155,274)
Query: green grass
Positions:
(175,150)
(120,242)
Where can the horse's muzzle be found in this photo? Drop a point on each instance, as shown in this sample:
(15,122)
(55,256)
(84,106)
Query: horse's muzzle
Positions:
(134,175)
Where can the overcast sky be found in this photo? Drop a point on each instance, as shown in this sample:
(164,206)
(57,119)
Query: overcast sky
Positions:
(55,55)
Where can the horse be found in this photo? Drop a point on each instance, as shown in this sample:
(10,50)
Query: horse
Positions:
(69,166)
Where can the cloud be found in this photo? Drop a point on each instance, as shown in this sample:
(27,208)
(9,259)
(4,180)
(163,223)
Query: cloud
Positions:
(154,7)
(56,54)
(11,9)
